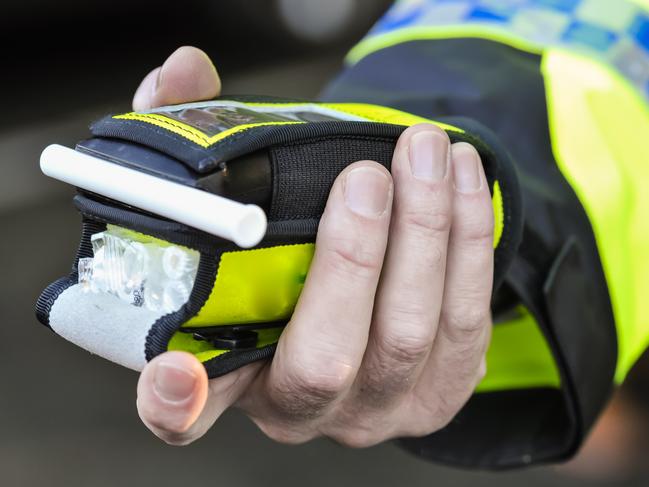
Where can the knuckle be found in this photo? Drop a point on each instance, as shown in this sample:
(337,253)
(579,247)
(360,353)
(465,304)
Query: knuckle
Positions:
(481,233)
(388,376)
(406,349)
(477,226)
(353,257)
(383,383)
(424,222)
(465,326)
(304,394)
(321,385)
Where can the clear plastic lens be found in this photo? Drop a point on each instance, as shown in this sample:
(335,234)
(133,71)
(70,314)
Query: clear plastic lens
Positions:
(177,263)
(157,276)
(85,267)
(175,294)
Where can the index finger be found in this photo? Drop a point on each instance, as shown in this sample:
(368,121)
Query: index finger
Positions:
(321,349)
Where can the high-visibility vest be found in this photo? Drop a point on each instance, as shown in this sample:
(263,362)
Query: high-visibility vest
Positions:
(564,84)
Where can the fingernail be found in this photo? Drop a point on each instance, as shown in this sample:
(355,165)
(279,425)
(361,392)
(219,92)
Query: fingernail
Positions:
(173,383)
(367,192)
(428,155)
(466,169)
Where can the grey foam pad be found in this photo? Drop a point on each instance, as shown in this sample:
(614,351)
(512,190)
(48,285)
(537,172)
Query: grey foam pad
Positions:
(103,324)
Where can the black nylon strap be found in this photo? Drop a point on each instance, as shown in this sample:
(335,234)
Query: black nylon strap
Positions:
(304,173)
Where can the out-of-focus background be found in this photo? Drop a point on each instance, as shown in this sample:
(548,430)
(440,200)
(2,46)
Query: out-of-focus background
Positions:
(68,418)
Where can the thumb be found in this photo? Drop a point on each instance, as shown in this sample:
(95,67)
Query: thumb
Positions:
(172,392)
(178,403)
(187,75)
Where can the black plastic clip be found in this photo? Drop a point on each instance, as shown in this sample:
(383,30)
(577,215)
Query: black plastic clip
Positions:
(228,339)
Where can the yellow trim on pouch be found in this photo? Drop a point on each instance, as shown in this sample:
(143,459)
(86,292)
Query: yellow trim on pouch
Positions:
(377,113)
(189,132)
(364,111)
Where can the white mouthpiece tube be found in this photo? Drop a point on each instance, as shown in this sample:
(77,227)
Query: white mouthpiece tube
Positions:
(243,224)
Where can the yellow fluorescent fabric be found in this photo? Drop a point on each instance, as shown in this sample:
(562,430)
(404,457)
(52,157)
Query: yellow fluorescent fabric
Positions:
(254,286)
(519,357)
(499,214)
(600,135)
(381,41)
(377,113)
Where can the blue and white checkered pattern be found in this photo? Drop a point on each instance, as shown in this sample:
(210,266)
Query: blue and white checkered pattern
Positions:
(616,31)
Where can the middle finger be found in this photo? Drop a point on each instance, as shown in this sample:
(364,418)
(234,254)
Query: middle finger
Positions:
(412,284)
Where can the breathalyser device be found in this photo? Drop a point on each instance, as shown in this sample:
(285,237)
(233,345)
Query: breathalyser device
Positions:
(199,221)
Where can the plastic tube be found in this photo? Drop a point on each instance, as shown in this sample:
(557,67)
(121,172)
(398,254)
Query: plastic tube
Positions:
(243,224)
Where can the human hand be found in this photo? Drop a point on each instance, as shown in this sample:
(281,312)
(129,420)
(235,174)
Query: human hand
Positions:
(389,336)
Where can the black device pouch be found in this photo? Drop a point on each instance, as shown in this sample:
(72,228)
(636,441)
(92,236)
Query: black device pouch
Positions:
(280,154)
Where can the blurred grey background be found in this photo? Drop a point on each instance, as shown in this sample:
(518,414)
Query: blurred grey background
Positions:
(68,418)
